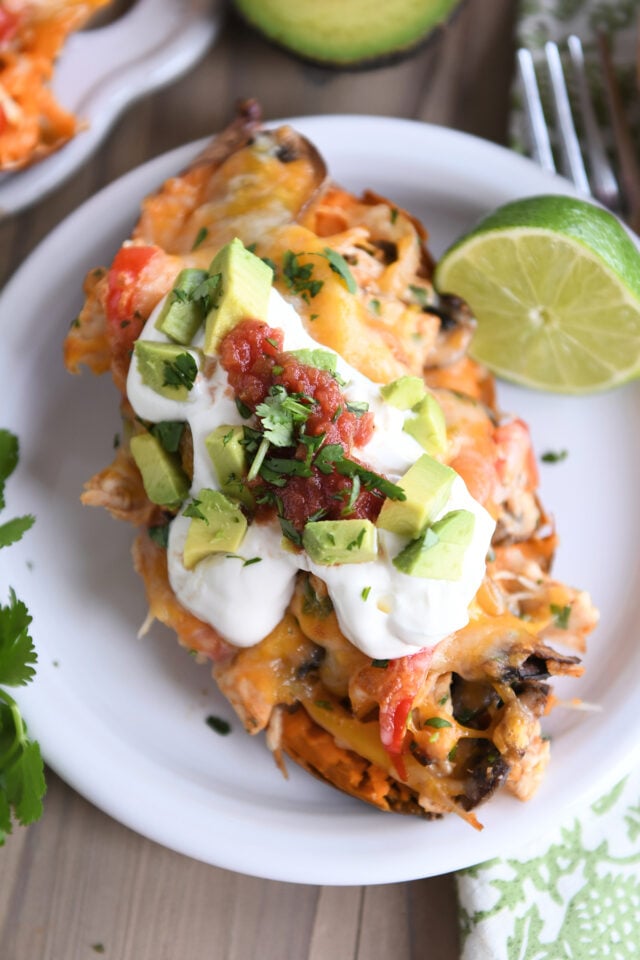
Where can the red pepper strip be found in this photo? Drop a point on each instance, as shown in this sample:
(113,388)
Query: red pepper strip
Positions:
(123,280)
(404,679)
(8,24)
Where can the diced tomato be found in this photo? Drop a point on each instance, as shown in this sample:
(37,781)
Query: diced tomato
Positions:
(123,280)
(8,24)
(403,680)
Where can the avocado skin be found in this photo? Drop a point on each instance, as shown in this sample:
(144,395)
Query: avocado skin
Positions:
(412,25)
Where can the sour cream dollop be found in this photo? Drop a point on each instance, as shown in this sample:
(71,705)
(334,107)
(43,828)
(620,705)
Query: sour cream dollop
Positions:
(383,612)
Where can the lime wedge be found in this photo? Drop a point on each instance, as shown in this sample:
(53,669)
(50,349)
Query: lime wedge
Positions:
(554,284)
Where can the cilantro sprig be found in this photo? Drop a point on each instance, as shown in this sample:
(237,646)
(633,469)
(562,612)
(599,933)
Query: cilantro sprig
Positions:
(22,784)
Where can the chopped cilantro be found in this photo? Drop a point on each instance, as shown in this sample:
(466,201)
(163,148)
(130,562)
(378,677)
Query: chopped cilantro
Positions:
(290,531)
(324,704)
(393,215)
(552,456)
(223,727)
(280,414)
(168,433)
(437,722)
(159,534)
(375,306)
(243,409)
(180,372)
(357,407)
(298,277)
(22,784)
(561,615)
(340,266)
(193,510)
(201,236)
(420,294)
(207,294)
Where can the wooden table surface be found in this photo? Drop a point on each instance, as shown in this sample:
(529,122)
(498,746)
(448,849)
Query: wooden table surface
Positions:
(77,884)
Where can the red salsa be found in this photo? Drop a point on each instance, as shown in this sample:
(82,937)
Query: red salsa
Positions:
(258,370)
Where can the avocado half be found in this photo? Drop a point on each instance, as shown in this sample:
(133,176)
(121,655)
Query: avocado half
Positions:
(347,33)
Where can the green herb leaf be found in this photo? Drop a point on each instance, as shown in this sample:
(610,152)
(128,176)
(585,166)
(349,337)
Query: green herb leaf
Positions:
(223,727)
(169,433)
(420,295)
(298,277)
(17,653)
(364,593)
(280,414)
(201,236)
(357,407)
(552,456)
(340,266)
(22,784)
(381,664)
(437,722)
(561,615)
(193,510)
(160,534)
(290,531)
(180,372)
(8,459)
(207,294)
(244,411)
(12,530)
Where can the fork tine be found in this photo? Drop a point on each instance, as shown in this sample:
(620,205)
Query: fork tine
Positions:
(540,143)
(604,185)
(573,165)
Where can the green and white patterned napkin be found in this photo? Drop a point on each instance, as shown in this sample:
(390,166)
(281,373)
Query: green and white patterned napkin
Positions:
(574,894)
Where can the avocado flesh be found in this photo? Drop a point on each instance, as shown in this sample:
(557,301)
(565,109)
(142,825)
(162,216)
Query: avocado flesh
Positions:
(220,528)
(428,427)
(182,315)
(164,480)
(243,292)
(341,34)
(225,446)
(426,485)
(439,553)
(340,541)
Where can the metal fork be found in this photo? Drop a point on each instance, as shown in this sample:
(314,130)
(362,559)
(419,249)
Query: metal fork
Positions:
(596,177)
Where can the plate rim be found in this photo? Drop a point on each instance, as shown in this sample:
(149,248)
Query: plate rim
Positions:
(396,868)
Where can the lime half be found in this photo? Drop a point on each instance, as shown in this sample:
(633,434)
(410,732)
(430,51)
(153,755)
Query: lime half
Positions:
(554,284)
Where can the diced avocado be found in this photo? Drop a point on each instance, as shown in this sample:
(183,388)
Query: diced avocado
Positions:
(183,313)
(340,541)
(439,553)
(428,427)
(245,285)
(321,359)
(165,482)
(228,456)
(427,485)
(167,368)
(403,393)
(220,529)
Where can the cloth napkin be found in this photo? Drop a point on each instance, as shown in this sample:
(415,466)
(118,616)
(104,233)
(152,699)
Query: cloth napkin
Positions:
(574,894)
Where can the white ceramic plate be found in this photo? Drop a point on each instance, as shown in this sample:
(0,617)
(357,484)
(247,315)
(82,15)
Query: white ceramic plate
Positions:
(123,719)
(103,71)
